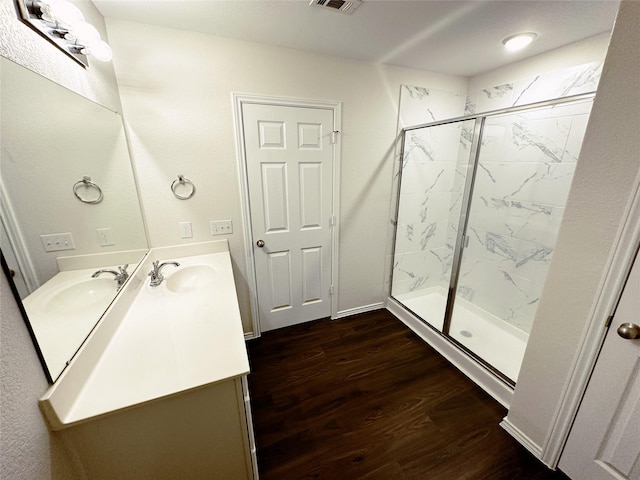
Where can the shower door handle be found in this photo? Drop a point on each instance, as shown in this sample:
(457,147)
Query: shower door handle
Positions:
(629,331)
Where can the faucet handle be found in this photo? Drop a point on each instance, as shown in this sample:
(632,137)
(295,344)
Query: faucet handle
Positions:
(123,269)
(154,268)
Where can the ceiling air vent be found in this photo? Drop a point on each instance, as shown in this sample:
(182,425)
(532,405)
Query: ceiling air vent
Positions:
(343,6)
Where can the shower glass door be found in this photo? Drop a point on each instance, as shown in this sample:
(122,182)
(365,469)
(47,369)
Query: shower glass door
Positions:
(524,170)
(435,164)
(479,208)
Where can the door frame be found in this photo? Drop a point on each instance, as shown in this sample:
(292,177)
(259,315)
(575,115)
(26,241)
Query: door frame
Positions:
(17,243)
(240,99)
(617,271)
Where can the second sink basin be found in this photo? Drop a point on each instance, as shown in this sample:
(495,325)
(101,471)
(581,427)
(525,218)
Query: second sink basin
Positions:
(191,278)
(82,295)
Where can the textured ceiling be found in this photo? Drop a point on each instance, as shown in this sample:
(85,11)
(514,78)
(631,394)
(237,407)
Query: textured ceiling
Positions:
(455,37)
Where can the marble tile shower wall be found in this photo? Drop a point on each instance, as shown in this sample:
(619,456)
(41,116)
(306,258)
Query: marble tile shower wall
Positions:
(423,250)
(523,178)
(525,168)
(422,257)
(545,86)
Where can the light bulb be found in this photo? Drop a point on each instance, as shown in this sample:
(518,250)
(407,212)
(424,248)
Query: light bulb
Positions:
(100,50)
(61,11)
(519,41)
(83,33)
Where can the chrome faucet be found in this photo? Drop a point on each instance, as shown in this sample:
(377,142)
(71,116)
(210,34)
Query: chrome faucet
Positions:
(156,274)
(120,276)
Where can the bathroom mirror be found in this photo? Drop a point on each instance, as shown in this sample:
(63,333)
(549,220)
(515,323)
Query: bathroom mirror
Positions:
(54,140)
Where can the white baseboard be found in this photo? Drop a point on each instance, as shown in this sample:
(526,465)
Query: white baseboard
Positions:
(463,362)
(357,310)
(340,314)
(522,438)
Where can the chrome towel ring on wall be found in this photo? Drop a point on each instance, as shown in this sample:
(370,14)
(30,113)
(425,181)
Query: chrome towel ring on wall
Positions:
(183,188)
(86,191)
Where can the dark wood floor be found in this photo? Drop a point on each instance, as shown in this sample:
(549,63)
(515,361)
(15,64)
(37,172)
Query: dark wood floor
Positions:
(364,398)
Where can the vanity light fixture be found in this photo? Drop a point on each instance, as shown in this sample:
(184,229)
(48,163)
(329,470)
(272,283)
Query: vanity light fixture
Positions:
(518,41)
(64,25)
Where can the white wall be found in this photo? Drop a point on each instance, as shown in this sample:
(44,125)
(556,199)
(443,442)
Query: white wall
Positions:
(176,91)
(27,449)
(605,175)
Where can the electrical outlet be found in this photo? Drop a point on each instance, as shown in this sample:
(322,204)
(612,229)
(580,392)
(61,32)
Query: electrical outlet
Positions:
(56,242)
(185,230)
(104,237)
(221,227)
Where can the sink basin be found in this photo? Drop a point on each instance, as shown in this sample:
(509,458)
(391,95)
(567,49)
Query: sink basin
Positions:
(191,278)
(82,296)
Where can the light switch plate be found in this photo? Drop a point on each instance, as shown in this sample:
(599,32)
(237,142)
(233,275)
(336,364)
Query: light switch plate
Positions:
(56,242)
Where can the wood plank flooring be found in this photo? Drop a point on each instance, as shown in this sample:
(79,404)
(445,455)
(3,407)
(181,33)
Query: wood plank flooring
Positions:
(365,398)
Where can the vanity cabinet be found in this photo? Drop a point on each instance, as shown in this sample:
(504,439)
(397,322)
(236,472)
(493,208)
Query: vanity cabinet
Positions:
(204,433)
(159,389)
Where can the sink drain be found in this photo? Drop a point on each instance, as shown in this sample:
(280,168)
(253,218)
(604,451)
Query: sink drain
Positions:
(466,333)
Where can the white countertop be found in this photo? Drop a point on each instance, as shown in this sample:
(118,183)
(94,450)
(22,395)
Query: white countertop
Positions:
(60,331)
(164,344)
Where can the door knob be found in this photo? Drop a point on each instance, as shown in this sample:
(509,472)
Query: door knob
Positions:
(629,330)
(260,243)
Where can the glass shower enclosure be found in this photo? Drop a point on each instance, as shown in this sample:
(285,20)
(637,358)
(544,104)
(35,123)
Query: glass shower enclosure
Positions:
(480,203)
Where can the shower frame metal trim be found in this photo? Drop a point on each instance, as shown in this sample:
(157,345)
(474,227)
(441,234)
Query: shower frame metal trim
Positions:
(474,155)
(506,111)
(469,182)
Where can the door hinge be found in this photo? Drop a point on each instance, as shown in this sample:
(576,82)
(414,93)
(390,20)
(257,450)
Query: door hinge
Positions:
(331,290)
(333,136)
(332,221)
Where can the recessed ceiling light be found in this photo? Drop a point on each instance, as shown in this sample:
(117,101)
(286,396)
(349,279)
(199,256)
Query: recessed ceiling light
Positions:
(518,41)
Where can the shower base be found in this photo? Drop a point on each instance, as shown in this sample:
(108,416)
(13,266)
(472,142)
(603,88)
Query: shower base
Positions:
(497,342)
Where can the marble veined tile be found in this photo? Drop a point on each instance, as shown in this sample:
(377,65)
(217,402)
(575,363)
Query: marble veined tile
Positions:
(415,270)
(438,143)
(504,275)
(543,183)
(419,105)
(540,140)
(494,136)
(522,220)
(418,237)
(575,138)
(423,207)
(520,138)
(557,84)
(469,105)
(427,177)
(517,257)
(507,296)
(494,98)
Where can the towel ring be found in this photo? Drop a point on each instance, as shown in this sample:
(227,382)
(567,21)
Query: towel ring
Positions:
(185,183)
(88,186)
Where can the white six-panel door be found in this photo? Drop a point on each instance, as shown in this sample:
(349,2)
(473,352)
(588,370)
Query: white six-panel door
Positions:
(289,156)
(604,442)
